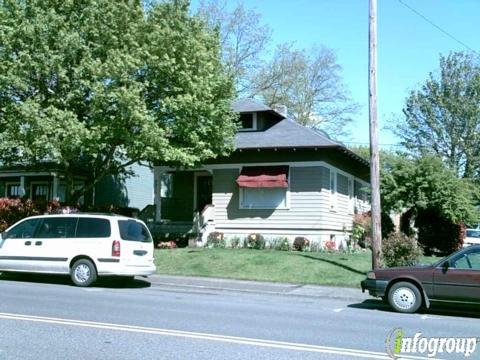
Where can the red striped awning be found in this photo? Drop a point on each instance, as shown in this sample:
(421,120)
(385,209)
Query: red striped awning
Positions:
(263,177)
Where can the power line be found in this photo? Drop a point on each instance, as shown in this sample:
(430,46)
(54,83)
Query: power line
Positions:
(367,143)
(437,27)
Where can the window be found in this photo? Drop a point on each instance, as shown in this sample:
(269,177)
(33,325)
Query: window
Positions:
(473,233)
(80,186)
(468,261)
(263,198)
(333,190)
(248,121)
(93,228)
(133,231)
(62,192)
(166,185)
(57,227)
(13,190)
(24,230)
(351,198)
(39,191)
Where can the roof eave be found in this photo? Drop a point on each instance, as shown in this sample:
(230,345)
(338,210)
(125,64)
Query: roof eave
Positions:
(333,146)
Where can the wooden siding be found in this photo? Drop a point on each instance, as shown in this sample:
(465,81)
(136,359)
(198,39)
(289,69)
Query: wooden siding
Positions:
(135,191)
(334,157)
(309,210)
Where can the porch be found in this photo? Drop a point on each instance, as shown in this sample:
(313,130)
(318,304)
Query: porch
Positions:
(38,185)
(183,202)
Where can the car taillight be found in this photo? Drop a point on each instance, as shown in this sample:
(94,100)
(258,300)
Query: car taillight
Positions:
(116,248)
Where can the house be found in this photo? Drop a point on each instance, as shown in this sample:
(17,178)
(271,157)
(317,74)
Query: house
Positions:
(48,183)
(283,179)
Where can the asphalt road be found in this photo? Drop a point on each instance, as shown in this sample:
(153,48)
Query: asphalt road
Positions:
(47,318)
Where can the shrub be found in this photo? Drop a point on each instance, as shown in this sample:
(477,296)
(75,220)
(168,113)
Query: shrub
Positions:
(361,229)
(280,244)
(301,243)
(215,240)
(255,241)
(330,244)
(167,245)
(315,246)
(179,238)
(235,242)
(401,250)
(13,210)
(437,234)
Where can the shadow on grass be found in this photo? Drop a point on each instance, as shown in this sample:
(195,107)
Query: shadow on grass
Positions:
(348,268)
(454,310)
(103,282)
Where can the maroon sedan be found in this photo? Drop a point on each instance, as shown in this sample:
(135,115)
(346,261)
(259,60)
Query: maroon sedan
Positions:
(455,279)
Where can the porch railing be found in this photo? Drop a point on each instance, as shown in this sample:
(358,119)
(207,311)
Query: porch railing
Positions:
(204,221)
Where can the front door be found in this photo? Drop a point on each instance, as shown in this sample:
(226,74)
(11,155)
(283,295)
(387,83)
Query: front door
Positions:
(204,191)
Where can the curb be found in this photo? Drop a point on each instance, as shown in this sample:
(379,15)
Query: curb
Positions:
(257,287)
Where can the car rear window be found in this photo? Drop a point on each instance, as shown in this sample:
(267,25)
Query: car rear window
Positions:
(93,228)
(133,231)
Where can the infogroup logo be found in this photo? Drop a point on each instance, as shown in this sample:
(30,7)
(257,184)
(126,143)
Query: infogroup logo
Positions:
(398,344)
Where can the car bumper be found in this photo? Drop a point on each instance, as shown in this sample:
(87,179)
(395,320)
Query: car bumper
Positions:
(127,270)
(374,287)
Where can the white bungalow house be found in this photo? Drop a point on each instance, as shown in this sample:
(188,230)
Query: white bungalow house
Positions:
(283,179)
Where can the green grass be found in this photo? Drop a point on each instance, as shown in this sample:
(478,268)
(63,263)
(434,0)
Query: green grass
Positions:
(334,269)
(266,265)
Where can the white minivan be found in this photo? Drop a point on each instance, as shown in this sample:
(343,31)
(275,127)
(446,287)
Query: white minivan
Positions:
(83,245)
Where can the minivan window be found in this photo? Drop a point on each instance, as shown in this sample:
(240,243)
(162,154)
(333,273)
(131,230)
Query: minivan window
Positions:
(93,228)
(473,233)
(133,231)
(24,230)
(57,227)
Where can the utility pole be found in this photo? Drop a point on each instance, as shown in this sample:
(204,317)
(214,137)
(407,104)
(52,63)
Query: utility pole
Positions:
(374,153)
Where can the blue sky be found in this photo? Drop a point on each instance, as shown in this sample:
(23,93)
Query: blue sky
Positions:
(408,46)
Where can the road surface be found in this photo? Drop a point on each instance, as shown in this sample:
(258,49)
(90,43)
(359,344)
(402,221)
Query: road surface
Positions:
(48,318)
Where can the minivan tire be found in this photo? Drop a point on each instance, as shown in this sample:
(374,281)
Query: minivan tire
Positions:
(83,273)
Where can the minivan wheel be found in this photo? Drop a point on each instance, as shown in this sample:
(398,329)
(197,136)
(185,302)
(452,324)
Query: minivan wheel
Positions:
(83,273)
(405,297)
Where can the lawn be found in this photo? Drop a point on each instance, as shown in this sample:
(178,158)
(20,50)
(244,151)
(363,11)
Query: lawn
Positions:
(336,269)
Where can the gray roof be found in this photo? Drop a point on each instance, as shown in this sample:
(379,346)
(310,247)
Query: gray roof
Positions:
(284,134)
(289,134)
(251,105)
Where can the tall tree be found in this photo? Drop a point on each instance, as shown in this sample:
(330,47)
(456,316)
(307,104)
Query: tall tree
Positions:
(243,38)
(309,83)
(427,183)
(443,117)
(98,85)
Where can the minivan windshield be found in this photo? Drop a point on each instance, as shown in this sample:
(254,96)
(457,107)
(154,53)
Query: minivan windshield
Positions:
(134,231)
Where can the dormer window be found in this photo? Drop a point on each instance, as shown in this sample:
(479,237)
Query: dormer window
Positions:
(248,121)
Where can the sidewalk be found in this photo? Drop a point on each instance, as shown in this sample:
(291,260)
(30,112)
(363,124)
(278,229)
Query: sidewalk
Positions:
(220,284)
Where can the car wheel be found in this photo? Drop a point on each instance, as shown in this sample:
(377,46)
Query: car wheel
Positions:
(405,297)
(83,273)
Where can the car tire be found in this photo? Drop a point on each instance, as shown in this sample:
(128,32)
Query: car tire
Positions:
(405,297)
(83,273)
